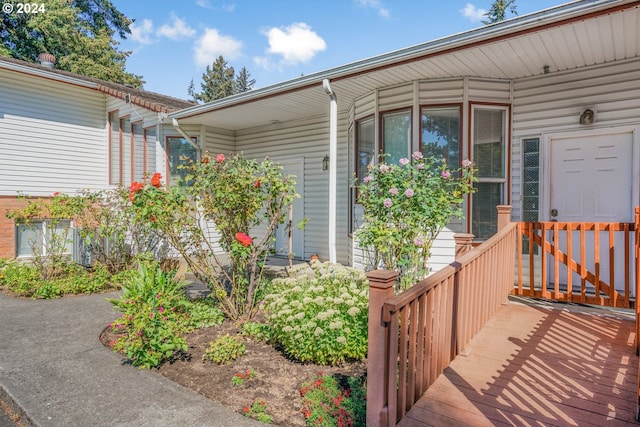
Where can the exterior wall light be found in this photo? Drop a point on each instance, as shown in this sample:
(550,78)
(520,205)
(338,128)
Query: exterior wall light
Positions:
(588,116)
(325,163)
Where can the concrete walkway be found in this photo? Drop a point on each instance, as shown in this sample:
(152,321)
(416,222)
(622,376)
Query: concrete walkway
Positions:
(54,371)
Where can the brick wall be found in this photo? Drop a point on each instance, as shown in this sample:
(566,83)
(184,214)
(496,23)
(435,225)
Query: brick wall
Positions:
(7,226)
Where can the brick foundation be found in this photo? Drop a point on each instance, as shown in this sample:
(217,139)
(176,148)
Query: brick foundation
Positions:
(7,226)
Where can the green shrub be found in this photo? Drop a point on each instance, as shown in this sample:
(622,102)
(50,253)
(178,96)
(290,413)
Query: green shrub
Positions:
(224,349)
(321,319)
(257,331)
(328,402)
(155,316)
(25,279)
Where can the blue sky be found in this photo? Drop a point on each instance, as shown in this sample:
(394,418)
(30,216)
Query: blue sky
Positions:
(277,40)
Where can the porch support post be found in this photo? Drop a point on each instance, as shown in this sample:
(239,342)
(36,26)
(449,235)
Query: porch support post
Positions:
(333,167)
(504,216)
(463,243)
(381,283)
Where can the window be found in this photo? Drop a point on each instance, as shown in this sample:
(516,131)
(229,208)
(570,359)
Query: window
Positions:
(365,147)
(36,237)
(150,150)
(440,133)
(138,150)
(114,148)
(489,149)
(396,135)
(125,150)
(179,152)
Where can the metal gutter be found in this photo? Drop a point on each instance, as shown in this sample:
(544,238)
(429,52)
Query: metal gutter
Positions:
(47,74)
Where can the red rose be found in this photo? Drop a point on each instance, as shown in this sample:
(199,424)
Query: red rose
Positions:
(256,183)
(56,193)
(136,186)
(244,239)
(220,158)
(155,180)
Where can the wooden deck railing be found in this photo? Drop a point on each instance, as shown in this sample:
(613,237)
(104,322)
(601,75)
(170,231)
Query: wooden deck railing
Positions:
(568,261)
(414,336)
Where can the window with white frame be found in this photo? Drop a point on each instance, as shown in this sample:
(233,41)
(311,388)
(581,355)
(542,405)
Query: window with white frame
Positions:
(489,148)
(37,237)
(440,133)
(396,135)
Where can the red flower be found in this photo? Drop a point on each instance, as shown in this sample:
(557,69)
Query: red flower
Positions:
(244,239)
(56,193)
(205,160)
(256,183)
(220,158)
(155,180)
(131,196)
(246,409)
(136,186)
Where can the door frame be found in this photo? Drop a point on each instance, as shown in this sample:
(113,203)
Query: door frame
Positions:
(545,174)
(298,162)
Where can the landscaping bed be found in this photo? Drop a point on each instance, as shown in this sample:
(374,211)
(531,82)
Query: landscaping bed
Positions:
(277,381)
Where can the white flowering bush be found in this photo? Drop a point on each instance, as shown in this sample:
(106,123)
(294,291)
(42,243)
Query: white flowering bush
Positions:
(320,315)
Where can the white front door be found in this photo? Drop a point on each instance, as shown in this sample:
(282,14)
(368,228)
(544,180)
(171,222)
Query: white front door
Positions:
(592,178)
(295,168)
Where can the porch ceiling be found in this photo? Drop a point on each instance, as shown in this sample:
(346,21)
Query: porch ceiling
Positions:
(567,37)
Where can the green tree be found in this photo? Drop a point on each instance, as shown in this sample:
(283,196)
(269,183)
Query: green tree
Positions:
(244,82)
(79,33)
(191,91)
(219,81)
(498,11)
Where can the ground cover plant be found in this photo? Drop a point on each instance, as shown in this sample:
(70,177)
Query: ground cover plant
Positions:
(25,279)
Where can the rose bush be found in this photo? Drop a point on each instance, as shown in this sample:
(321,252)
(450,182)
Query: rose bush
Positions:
(220,201)
(405,207)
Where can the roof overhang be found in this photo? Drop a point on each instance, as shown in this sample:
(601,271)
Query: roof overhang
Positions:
(571,36)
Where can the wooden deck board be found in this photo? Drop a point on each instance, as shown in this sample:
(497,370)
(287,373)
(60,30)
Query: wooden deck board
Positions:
(539,365)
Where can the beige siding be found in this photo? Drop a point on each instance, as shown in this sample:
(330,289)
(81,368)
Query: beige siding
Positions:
(52,136)
(440,91)
(485,90)
(308,140)
(553,103)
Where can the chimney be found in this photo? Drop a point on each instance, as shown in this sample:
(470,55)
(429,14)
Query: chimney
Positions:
(47,60)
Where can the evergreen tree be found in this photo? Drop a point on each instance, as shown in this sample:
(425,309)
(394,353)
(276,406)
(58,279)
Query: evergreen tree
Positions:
(218,81)
(244,82)
(79,33)
(498,11)
(191,91)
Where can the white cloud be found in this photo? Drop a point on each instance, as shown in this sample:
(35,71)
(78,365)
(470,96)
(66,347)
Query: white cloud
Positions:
(142,32)
(213,44)
(204,3)
(376,5)
(297,43)
(178,29)
(473,13)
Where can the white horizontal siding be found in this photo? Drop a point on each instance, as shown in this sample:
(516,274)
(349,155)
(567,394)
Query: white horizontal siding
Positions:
(308,139)
(440,91)
(52,136)
(489,90)
(553,103)
(395,97)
